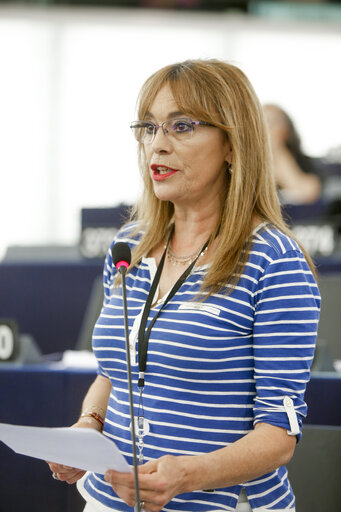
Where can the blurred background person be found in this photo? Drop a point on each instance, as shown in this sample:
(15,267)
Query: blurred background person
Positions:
(297,176)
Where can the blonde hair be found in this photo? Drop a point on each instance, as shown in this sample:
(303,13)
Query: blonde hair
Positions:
(221,94)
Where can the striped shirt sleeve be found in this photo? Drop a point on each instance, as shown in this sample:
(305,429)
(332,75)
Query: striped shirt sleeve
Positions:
(285,327)
(110,272)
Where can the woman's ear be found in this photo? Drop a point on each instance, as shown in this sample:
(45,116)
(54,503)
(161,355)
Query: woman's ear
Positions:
(228,153)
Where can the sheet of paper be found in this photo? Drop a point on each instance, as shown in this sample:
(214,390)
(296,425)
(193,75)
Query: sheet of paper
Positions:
(81,448)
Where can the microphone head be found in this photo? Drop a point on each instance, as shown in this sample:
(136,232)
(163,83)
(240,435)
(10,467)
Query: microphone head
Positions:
(121,255)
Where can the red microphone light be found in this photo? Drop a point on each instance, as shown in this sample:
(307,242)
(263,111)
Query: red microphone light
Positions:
(121,263)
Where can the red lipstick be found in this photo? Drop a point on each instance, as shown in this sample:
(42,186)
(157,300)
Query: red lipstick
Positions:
(162,172)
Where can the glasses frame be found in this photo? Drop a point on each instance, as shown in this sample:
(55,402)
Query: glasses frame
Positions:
(165,131)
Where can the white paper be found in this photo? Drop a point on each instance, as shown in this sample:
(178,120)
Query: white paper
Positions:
(81,448)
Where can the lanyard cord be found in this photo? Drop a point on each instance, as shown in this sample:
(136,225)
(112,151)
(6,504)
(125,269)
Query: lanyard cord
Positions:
(143,336)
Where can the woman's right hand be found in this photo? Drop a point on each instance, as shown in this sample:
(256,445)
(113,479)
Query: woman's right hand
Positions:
(66,473)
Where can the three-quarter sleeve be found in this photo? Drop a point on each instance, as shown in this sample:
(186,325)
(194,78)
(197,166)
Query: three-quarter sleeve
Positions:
(287,306)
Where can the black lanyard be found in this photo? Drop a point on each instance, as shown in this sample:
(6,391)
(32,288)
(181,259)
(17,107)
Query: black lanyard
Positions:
(143,337)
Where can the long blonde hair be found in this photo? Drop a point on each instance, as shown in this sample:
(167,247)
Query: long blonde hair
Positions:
(221,94)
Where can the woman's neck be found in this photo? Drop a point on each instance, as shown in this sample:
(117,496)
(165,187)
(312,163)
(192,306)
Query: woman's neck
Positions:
(192,229)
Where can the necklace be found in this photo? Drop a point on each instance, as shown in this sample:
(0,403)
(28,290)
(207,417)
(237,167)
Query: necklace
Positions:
(182,260)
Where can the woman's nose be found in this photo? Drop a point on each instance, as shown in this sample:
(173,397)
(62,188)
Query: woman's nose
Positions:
(161,142)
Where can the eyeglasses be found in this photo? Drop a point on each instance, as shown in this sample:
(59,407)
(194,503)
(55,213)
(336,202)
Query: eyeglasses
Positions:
(180,129)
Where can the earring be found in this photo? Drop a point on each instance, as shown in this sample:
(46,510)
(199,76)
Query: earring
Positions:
(229,167)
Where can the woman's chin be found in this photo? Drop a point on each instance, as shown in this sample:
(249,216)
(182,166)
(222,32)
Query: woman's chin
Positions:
(165,195)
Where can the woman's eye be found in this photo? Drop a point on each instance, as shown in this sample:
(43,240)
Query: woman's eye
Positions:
(181,126)
(149,128)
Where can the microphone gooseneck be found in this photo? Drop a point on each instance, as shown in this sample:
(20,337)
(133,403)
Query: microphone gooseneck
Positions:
(121,257)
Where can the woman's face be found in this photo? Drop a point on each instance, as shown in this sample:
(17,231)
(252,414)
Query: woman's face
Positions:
(190,172)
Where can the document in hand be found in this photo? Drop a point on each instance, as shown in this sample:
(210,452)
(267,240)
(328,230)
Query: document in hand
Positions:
(81,448)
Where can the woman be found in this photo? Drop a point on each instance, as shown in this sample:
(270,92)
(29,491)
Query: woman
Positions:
(297,176)
(220,400)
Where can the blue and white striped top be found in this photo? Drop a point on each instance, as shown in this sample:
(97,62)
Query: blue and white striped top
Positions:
(214,368)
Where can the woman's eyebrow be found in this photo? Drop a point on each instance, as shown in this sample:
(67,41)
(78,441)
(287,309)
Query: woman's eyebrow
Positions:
(178,113)
(171,115)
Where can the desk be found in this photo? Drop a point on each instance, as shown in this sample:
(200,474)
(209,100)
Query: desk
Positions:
(38,396)
(48,300)
(323,396)
(42,396)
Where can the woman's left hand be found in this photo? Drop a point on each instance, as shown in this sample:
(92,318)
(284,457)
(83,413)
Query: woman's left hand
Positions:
(159,481)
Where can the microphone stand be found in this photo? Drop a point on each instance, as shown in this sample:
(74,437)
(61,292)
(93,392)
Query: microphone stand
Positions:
(137,507)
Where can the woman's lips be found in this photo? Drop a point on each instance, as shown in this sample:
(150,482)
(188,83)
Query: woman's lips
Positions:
(162,172)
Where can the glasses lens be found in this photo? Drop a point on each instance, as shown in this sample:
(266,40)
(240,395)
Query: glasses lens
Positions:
(143,130)
(179,128)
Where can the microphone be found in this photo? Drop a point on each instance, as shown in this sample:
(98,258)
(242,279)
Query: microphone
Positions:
(121,257)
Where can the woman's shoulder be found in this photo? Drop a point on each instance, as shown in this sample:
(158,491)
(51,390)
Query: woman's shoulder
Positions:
(274,254)
(272,241)
(130,233)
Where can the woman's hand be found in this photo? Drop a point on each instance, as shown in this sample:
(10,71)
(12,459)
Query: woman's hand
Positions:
(159,481)
(66,473)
